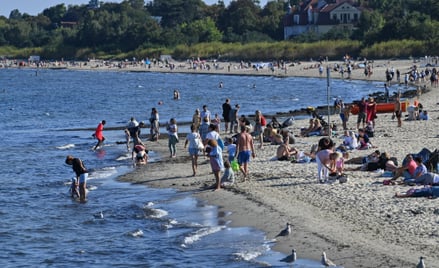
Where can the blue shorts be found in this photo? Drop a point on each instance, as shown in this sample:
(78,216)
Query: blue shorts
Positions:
(193,151)
(244,157)
(83,177)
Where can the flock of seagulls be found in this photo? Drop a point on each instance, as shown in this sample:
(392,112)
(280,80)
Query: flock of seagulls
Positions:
(324,260)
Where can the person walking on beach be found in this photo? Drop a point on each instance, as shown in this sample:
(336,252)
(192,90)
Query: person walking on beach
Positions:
(245,149)
(132,127)
(99,134)
(216,161)
(226,114)
(81,175)
(154,128)
(194,139)
(398,111)
(173,137)
(205,113)
(196,119)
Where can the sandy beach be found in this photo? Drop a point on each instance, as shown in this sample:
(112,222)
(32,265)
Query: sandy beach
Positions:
(358,224)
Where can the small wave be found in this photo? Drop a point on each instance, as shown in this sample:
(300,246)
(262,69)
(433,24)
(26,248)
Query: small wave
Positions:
(65,147)
(188,240)
(170,223)
(136,233)
(92,188)
(123,157)
(158,213)
(151,212)
(103,173)
(247,255)
(149,204)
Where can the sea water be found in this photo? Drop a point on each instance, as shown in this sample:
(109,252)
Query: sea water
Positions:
(48,114)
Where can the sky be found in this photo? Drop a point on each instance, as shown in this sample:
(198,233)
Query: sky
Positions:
(33,7)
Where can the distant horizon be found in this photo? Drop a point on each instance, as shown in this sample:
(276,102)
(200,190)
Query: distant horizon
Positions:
(34,8)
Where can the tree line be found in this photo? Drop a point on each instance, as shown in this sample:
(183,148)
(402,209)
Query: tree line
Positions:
(190,28)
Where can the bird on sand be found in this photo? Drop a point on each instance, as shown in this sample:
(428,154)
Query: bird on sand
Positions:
(421,263)
(286,231)
(325,261)
(290,258)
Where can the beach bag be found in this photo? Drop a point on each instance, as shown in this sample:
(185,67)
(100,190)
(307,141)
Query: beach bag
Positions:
(199,143)
(220,143)
(235,166)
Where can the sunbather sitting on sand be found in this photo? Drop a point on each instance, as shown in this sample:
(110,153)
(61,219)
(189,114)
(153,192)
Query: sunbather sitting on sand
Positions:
(285,152)
(418,174)
(349,141)
(315,130)
(407,170)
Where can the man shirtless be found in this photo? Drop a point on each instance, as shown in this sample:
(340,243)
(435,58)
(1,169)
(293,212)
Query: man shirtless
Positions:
(244,150)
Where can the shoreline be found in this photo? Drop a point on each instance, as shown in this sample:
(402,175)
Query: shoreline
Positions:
(358,224)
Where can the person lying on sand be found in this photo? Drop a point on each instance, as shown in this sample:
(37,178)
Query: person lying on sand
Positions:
(430,192)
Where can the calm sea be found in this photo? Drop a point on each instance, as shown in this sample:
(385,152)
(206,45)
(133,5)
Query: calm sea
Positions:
(43,118)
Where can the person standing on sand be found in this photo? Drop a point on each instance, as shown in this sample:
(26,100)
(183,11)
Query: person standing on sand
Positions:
(361,113)
(99,134)
(216,161)
(193,147)
(205,113)
(245,149)
(260,123)
(196,119)
(234,119)
(371,111)
(154,125)
(173,136)
(323,160)
(398,111)
(81,175)
(226,114)
(345,118)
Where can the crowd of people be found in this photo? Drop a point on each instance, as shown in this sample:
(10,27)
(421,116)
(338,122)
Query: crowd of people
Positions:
(205,139)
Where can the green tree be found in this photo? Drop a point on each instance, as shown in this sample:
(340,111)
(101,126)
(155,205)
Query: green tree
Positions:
(370,25)
(201,31)
(240,16)
(55,13)
(176,12)
(272,19)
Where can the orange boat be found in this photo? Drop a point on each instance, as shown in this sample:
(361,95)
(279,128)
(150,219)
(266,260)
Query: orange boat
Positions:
(383,107)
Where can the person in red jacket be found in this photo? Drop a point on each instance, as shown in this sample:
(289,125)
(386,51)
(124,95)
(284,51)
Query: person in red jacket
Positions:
(99,134)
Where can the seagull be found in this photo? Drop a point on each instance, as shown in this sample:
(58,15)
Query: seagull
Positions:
(290,258)
(421,263)
(286,231)
(325,261)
